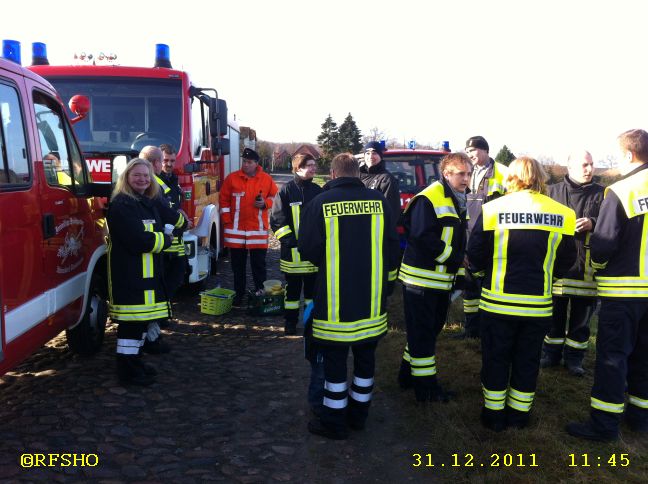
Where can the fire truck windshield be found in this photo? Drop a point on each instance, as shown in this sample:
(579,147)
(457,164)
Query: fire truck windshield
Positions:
(126,114)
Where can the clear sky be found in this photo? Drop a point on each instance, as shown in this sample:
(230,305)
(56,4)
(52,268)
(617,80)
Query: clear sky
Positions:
(541,77)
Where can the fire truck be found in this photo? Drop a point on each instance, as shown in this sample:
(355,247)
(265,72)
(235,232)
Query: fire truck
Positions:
(131,107)
(52,239)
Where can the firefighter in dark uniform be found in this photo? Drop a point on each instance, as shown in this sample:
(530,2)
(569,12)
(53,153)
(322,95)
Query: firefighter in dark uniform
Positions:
(348,232)
(136,219)
(375,175)
(435,227)
(518,243)
(575,293)
(175,258)
(486,183)
(284,220)
(619,256)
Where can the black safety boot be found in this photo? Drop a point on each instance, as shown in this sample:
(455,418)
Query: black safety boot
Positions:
(316,427)
(587,430)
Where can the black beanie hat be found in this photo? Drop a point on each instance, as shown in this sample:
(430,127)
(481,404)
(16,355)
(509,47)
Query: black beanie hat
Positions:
(374,145)
(249,154)
(477,142)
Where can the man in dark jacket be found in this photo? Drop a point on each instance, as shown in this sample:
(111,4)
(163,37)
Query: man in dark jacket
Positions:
(374,175)
(577,289)
(348,233)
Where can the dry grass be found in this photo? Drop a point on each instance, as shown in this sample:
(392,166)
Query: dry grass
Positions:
(446,429)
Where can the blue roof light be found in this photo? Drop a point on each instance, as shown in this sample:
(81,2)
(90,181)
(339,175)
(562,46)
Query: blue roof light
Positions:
(39,54)
(11,51)
(162,56)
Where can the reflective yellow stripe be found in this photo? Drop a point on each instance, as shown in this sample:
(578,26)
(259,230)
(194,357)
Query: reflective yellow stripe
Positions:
(622,286)
(423,366)
(332,268)
(554,341)
(295,209)
(576,344)
(180,222)
(446,236)
(303,267)
(149,297)
(589,270)
(392,275)
(138,312)
(553,241)
(599,265)
(147,265)
(606,406)
(574,287)
(643,270)
(348,332)
(494,399)
(283,231)
(291,304)
(499,260)
(518,400)
(471,305)
(515,310)
(406,355)
(377,233)
(637,402)
(425,277)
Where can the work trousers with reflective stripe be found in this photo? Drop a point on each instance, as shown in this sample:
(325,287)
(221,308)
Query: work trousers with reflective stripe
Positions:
(621,355)
(175,268)
(580,311)
(343,402)
(425,314)
(471,295)
(510,361)
(294,285)
(238,258)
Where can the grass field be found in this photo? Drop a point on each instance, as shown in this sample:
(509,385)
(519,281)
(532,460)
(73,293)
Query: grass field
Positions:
(454,428)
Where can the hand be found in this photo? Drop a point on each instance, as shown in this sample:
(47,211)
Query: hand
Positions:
(259,203)
(583,224)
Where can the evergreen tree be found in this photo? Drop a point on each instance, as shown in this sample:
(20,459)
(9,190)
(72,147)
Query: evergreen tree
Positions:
(328,140)
(505,157)
(349,138)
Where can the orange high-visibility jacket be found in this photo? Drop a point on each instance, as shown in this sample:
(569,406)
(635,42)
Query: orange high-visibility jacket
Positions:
(246,226)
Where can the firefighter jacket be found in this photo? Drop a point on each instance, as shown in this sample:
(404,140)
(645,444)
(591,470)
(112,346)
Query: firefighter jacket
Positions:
(171,192)
(620,239)
(435,230)
(246,226)
(136,240)
(585,200)
(489,188)
(518,243)
(348,232)
(378,178)
(284,220)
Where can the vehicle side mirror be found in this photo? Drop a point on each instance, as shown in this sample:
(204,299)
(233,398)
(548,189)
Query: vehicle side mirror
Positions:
(218,118)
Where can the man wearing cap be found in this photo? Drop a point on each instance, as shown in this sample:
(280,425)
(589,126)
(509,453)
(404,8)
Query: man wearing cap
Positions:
(245,197)
(374,175)
(486,183)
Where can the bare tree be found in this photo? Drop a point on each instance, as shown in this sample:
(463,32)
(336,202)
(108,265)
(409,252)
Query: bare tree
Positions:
(375,134)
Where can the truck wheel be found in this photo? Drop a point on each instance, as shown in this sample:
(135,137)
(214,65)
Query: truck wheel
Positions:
(87,336)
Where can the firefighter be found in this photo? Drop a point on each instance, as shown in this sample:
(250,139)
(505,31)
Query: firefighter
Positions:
(575,294)
(175,258)
(435,226)
(486,183)
(136,221)
(284,220)
(518,243)
(373,174)
(618,247)
(349,234)
(245,197)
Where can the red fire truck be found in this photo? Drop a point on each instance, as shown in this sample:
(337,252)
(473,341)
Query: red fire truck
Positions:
(132,107)
(52,250)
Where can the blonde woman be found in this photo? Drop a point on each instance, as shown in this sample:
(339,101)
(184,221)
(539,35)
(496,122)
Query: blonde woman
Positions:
(519,243)
(136,219)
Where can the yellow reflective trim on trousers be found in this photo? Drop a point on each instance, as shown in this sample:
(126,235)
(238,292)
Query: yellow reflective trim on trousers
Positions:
(606,406)
(332,268)
(553,241)
(554,341)
(521,396)
(147,265)
(494,400)
(283,231)
(377,269)
(576,344)
(149,297)
(295,210)
(638,402)
(517,405)
(499,259)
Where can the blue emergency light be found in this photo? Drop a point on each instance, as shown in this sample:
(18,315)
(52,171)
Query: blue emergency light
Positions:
(162,56)
(445,145)
(11,51)
(39,54)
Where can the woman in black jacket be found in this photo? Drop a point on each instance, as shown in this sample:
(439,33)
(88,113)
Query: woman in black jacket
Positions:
(136,220)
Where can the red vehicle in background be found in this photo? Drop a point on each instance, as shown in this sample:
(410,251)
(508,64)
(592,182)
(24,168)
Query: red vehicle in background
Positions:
(52,249)
(131,107)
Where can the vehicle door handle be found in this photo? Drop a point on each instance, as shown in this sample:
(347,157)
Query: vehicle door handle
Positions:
(49,227)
